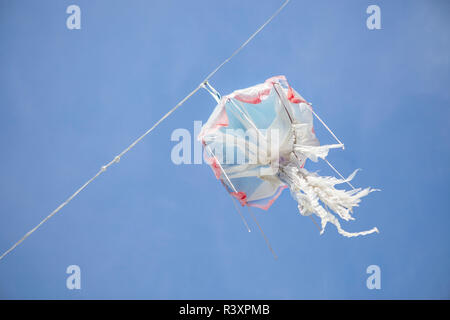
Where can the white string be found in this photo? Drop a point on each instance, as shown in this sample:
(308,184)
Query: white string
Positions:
(248,40)
(263,234)
(339,141)
(117,158)
(335,170)
(329,164)
(324,124)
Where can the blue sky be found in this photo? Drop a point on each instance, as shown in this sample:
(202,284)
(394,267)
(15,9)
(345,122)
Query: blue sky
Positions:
(70,100)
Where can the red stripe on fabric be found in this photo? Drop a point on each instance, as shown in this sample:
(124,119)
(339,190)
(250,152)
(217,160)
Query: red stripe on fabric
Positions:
(275,79)
(270,202)
(214,166)
(241,196)
(222,119)
(292,98)
(253,99)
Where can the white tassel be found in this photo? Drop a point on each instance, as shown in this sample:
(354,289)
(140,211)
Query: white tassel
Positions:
(315,152)
(310,189)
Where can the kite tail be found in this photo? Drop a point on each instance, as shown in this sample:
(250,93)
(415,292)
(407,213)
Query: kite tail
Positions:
(317,195)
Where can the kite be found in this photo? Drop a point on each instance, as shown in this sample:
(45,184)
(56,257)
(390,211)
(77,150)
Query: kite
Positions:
(268,128)
(257,141)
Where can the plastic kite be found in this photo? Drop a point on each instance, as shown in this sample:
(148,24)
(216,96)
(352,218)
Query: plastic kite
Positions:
(257,141)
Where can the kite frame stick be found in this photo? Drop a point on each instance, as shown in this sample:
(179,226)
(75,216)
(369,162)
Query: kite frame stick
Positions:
(254,218)
(117,158)
(324,124)
(329,130)
(262,232)
(240,213)
(231,184)
(290,119)
(226,176)
(336,170)
(343,147)
(250,121)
